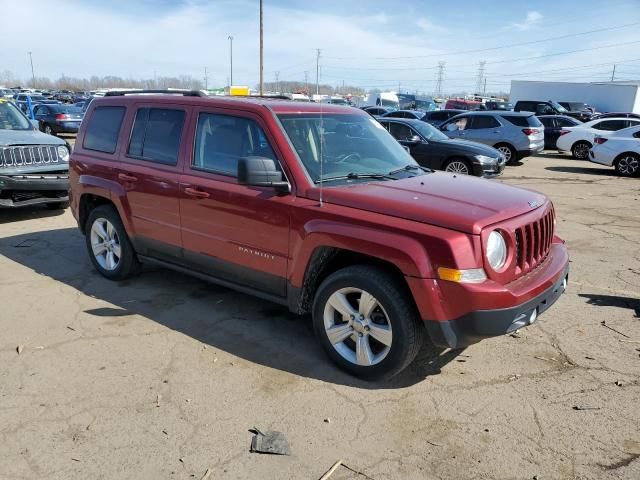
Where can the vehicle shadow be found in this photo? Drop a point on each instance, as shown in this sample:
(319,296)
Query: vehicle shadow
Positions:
(588,170)
(27,213)
(255,330)
(613,301)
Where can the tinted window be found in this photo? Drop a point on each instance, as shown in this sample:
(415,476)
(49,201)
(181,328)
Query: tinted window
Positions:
(567,122)
(631,123)
(156,135)
(396,115)
(521,121)
(400,132)
(610,125)
(526,106)
(482,121)
(439,115)
(547,122)
(221,140)
(103,129)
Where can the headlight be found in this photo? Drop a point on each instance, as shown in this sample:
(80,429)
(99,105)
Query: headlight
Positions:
(485,159)
(496,250)
(63,153)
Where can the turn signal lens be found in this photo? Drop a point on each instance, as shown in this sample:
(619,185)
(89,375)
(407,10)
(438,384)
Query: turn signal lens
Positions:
(473,275)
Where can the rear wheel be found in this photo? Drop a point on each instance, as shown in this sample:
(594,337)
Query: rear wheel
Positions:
(108,244)
(458,165)
(628,165)
(510,154)
(580,150)
(366,322)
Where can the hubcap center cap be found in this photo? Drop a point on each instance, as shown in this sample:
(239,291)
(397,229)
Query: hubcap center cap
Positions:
(360,325)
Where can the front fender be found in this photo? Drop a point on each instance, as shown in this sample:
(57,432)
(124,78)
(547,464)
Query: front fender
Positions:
(406,253)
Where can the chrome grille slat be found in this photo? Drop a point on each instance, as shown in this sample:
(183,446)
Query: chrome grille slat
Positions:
(24,155)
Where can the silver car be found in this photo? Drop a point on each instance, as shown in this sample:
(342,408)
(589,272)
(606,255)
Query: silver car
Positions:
(515,134)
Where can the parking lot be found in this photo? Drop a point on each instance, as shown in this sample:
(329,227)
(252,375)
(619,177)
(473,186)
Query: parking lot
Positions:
(162,376)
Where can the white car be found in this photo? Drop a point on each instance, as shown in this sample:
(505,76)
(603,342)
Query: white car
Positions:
(579,139)
(620,150)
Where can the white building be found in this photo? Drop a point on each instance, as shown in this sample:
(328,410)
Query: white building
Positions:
(604,97)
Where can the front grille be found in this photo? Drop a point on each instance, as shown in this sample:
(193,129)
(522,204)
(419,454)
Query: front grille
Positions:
(23,156)
(533,242)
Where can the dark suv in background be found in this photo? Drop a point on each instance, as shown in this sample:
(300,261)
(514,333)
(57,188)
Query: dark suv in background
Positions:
(550,107)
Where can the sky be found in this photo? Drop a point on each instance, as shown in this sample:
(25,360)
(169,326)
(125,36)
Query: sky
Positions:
(368,43)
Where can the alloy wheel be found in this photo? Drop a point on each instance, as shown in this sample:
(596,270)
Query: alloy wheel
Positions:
(105,244)
(628,165)
(357,326)
(506,151)
(457,166)
(581,151)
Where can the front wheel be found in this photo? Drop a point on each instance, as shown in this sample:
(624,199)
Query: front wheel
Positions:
(510,154)
(366,322)
(628,165)
(108,244)
(580,150)
(458,165)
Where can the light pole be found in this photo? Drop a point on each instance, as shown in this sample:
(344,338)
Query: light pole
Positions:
(33,75)
(230,59)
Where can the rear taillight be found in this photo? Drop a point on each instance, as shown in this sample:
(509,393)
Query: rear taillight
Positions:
(530,131)
(600,140)
(62,116)
(564,132)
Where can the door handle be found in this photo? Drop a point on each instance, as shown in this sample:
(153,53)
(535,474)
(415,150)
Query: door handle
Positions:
(193,192)
(125,177)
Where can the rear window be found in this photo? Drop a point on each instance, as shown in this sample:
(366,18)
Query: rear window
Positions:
(103,129)
(156,135)
(521,121)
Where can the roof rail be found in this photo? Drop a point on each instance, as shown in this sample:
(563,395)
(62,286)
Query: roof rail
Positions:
(185,93)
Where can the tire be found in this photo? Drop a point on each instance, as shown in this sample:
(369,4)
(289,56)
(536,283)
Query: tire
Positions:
(392,315)
(57,205)
(118,260)
(580,150)
(510,153)
(628,165)
(458,165)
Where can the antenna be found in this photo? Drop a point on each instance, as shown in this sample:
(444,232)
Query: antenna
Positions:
(321,127)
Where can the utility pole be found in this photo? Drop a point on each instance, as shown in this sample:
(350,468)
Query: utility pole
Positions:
(33,75)
(440,78)
(613,74)
(230,37)
(480,76)
(318,72)
(261,54)
(206,79)
(306,81)
(278,81)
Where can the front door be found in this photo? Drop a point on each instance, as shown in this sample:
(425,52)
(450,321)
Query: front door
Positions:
(148,172)
(235,232)
(484,129)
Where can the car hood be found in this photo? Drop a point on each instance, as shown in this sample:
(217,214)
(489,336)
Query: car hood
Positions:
(458,202)
(27,137)
(467,146)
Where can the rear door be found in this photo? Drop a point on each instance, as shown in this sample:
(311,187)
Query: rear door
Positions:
(551,131)
(484,129)
(148,172)
(235,232)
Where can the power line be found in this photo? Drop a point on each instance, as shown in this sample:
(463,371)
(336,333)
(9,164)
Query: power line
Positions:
(499,47)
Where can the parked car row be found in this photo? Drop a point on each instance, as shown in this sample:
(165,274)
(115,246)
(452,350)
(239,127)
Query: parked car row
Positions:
(620,150)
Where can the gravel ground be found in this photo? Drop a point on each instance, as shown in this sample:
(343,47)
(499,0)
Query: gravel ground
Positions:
(163,375)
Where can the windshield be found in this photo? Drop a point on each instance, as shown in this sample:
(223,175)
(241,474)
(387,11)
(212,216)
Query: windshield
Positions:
(429,132)
(576,106)
(389,103)
(12,119)
(425,105)
(347,143)
(558,107)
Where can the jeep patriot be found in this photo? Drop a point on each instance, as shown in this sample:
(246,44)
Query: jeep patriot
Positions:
(316,207)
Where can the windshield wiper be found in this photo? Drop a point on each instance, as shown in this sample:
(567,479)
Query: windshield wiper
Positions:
(408,168)
(354,175)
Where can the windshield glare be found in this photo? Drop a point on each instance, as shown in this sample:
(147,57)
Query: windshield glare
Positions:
(12,119)
(347,144)
(429,132)
(558,107)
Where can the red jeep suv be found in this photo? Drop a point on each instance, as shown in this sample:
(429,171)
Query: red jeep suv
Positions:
(316,207)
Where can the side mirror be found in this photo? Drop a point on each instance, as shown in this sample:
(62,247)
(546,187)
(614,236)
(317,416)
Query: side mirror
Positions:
(261,172)
(415,139)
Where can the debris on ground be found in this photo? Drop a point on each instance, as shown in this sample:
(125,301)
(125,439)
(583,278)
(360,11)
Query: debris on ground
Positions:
(158,398)
(589,358)
(619,383)
(271,442)
(433,443)
(207,474)
(515,334)
(585,407)
(19,349)
(340,463)
(71,328)
(604,324)
(327,420)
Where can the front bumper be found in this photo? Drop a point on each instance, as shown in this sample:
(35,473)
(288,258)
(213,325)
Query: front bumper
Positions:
(33,189)
(489,170)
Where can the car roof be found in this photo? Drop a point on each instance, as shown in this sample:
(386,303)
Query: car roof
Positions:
(408,121)
(242,103)
(498,112)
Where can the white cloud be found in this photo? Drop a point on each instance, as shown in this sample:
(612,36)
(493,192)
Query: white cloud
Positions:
(428,25)
(532,19)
